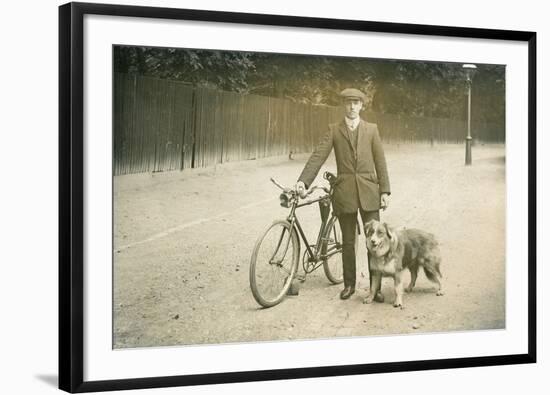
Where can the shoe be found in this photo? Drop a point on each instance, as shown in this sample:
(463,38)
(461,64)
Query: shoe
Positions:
(379,297)
(347,292)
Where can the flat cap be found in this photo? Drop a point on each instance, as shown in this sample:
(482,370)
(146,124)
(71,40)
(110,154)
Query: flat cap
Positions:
(352,93)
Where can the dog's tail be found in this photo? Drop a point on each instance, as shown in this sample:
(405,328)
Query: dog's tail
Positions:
(438,271)
(432,273)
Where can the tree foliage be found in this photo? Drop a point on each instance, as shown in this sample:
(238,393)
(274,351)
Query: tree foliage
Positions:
(416,88)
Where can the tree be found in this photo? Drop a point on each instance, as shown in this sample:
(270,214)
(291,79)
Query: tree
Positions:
(215,69)
(414,88)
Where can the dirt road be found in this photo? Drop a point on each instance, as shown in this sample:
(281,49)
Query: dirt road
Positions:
(183,242)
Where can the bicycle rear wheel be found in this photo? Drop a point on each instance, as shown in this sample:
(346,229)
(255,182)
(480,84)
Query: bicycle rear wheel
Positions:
(273,264)
(332,248)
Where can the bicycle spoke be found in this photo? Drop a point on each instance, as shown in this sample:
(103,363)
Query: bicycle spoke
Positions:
(276,280)
(273,263)
(283,269)
(332,253)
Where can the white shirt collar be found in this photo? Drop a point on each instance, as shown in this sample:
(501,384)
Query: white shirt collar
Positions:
(352,123)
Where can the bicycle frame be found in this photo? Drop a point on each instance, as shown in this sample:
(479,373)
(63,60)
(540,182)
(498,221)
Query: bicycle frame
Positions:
(316,256)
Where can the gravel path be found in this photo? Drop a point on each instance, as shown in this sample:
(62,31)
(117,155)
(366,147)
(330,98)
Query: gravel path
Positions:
(183,242)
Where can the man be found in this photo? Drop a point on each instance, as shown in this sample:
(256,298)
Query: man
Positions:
(362,183)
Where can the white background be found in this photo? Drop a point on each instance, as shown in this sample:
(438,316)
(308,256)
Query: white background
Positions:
(29,197)
(103,363)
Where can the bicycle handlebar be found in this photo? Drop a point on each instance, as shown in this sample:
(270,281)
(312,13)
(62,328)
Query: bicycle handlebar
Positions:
(294,191)
(312,189)
(276,183)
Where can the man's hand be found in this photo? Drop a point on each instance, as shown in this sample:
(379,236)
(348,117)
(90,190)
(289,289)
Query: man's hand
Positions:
(301,189)
(384,201)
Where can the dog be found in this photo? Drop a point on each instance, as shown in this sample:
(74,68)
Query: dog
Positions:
(393,251)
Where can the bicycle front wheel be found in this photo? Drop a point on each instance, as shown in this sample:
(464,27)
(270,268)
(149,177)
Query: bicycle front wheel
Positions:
(273,264)
(331,249)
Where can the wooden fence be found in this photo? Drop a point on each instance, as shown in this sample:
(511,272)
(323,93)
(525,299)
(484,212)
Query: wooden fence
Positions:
(400,128)
(162,125)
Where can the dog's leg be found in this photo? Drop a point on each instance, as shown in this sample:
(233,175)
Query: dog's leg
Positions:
(414,275)
(439,287)
(438,281)
(434,277)
(398,283)
(375,286)
(379,297)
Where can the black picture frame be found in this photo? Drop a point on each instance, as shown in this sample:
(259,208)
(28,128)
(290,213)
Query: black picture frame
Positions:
(71,196)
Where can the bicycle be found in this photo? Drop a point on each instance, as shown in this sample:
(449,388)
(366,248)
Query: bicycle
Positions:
(275,257)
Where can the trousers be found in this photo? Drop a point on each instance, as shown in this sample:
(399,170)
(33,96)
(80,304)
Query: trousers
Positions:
(348,225)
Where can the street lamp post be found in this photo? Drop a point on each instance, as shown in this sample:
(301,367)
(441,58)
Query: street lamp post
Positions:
(470,70)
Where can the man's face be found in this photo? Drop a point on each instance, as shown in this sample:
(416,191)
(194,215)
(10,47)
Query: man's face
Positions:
(353,107)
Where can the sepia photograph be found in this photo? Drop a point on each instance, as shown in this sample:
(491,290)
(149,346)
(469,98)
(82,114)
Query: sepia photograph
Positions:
(279,197)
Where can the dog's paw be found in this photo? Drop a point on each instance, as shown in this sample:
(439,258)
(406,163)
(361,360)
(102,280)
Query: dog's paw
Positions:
(409,289)
(440,293)
(368,300)
(398,304)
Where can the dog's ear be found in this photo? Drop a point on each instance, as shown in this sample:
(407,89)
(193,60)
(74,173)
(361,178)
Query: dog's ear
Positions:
(394,241)
(368,226)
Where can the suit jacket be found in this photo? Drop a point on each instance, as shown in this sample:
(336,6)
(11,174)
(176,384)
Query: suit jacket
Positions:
(362,171)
